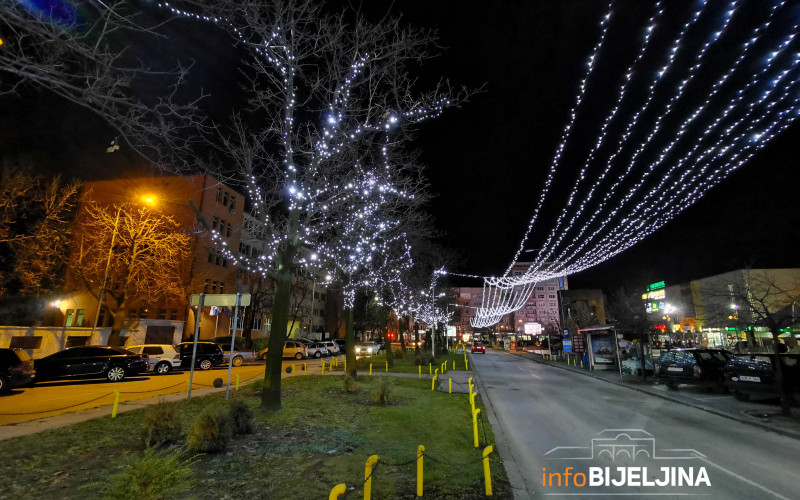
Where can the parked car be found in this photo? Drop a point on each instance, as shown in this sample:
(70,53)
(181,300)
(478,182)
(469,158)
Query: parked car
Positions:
(161,358)
(342,343)
(317,350)
(208,355)
(478,347)
(239,355)
(16,369)
(291,349)
(113,363)
(692,366)
(333,347)
(754,374)
(367,348)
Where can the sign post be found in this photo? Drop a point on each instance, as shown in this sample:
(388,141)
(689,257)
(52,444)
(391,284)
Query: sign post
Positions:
(219,300)
(233,342)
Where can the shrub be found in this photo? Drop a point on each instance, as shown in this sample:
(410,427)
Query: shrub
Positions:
(210,431)
(242,417)
(153,476)
(349,383)
(381,394)
(161,424)
(424,358)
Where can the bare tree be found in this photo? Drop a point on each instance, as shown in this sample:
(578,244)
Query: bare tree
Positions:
(82,51)
(35,220)
(131,255)
(761,298)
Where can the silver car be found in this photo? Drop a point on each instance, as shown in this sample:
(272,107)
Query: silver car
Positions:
(317,350)
(162,358)
(239,355)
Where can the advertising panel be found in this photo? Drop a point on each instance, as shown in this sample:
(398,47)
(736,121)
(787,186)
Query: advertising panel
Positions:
(603,353)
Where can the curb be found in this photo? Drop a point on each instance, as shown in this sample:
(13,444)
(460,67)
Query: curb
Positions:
(518,486)
(783,432)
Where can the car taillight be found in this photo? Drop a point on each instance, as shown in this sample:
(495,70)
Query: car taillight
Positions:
(176,357)
(144,357)
(697,371)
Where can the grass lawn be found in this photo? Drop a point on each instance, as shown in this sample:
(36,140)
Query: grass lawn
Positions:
(322,437)
(408,364)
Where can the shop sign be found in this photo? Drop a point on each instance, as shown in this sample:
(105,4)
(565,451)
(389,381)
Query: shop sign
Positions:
(567,345)
(655,286)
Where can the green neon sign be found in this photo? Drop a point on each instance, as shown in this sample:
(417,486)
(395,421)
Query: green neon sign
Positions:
(655,286)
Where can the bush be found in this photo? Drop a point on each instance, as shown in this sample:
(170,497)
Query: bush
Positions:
(424,358)
(211,431)
(381,394)
(153,476)
(242,417)
(161,424)
(349,383)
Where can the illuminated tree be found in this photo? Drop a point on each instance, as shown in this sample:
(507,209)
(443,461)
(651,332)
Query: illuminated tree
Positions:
(131,255)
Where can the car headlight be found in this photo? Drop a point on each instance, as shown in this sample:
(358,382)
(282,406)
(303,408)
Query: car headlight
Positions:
(358,349)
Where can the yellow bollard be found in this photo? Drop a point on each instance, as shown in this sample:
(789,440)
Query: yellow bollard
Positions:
(339,489)
(370,368)
(487,474)
(420,371)
(450,383)
(472,400)
(305,368)
(475,413)
(294,369)
(345,365)
(237,381)
(433,382)
(187,386)
(581,363)
(371,461)
(435,373)
(323,367)
(387,366)
(454,364)
(420,454)
(429,369)
(466,365)
(116,403)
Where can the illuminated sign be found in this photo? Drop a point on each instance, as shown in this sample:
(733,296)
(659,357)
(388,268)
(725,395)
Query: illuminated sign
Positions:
(655,294)
(655,286)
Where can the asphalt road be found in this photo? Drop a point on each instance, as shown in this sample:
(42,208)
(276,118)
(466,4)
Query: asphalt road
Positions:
(552,419)
(55,397)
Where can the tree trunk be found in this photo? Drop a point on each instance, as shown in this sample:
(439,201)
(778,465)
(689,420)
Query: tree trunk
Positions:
(271,394)
(116,325)
(402,336)
(350,343)
(786,396)
(416,339)
(247,330)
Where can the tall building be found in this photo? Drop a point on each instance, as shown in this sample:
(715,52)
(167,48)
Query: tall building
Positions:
(541,312)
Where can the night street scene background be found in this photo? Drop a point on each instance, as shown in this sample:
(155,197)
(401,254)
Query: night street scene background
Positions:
(585,212)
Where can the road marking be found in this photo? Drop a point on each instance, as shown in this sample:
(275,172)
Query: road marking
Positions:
(741,478)
(535,376)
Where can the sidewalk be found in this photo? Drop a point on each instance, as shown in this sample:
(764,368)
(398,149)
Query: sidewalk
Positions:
(758,414)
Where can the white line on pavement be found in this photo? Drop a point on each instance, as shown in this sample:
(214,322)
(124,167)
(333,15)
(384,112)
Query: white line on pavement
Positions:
(740,477)
(535,376)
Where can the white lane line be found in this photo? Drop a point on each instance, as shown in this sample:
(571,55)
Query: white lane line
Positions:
(535,376)
(741,478)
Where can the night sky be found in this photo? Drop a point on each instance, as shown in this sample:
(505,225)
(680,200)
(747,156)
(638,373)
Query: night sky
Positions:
(488,160)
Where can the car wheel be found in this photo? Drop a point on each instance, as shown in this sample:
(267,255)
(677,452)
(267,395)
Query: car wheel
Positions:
(299,355)
(264,356)
(4,385)
(163,368)
(237,361)
(115,374)
(671,385)
(741,396)
(205,364)
(317,354)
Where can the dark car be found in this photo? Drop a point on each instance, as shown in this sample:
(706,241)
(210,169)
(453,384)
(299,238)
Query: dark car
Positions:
(16,369)
(478,347)
(692,366)
(747,374)
(208,355)
(341,343)
(113,363)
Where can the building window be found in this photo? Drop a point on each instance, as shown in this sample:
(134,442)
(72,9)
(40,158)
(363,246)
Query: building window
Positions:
(101,318)
(257,323)
(205,285)
(225,199)
(551,296)
(210,257)
(228,229)
(219,193)
(217,260)
(214,286)
(550,288)
(215,222)
(162,314)
(540,288)
(79,318)
(267,325)
(173,314)
(222,286)
(224,262)
(221,226)
(70,315)
(541,296)
(233,204)
(143,313)
(131,313)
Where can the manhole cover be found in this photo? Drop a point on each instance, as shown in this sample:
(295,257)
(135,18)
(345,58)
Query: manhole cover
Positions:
(762,414)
